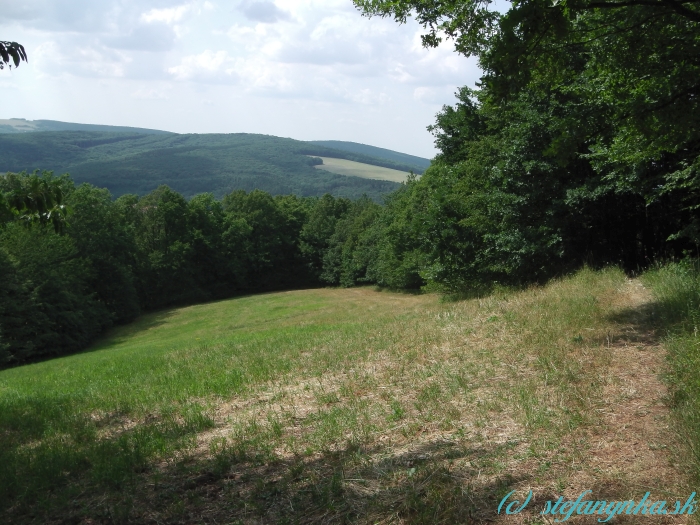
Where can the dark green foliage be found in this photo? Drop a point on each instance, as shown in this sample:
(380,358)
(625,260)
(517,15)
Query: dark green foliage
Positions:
(209,260)
(15,307)
(34,198)
(263,235)
(458,126)
(581,144)
(101,236)
(114,259)
(162,238)
(47,306)
(318,229)
(138,163)
(400,241)
(352,247)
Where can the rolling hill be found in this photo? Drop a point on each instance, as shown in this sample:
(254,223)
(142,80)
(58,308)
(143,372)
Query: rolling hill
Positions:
(139,161)
(405,161)
(20,125)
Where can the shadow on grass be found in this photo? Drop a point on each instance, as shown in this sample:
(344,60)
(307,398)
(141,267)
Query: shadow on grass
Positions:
(438,482)
(638,326)
(651,323)
(400,291)
(46,447)
(120,334)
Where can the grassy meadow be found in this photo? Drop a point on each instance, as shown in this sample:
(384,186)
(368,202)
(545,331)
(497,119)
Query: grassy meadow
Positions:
(348,405)
(359,169)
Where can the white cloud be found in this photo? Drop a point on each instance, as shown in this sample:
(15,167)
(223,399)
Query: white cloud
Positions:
(51,58)
(423,93)
(151,37)
(168,15)
(208,66)
(81,16)
(368,97)
(320,55)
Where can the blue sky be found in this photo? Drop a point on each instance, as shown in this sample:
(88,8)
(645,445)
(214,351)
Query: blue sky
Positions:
(306,69)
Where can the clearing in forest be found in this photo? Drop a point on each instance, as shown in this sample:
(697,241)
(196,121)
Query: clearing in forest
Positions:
(335,406)
(359,169)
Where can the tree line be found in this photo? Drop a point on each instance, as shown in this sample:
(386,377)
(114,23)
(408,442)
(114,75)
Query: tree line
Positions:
(74,261)
(581,141)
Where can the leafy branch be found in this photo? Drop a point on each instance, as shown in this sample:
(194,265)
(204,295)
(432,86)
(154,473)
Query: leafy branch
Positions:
(11,52)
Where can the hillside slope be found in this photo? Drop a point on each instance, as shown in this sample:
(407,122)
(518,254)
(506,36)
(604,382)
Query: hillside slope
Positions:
(190,164)
(20,125)
(418,164)
(347,406)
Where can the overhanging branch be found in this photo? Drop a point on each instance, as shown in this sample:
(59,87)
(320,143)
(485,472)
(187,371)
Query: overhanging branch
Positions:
(678,7)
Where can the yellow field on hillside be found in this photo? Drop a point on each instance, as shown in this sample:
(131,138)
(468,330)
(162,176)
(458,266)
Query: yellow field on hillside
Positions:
(358,169)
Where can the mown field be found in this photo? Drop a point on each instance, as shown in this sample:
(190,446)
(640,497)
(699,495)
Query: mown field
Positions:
(358,169)
(349,405)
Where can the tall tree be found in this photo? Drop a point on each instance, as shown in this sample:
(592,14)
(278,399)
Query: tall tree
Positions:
(104,239)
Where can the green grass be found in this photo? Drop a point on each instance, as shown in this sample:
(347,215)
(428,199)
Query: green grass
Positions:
(324,405)
(676,288)
(151,384)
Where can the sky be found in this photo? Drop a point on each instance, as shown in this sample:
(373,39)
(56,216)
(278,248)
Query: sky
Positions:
(305,69)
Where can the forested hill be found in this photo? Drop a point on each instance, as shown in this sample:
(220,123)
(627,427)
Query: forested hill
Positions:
(20,125)
(190,164)
(397,160)
(419,164)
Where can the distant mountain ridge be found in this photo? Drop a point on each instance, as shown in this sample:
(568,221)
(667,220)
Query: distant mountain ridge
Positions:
(190,164)
(137,160)
(20,125)
(362,152)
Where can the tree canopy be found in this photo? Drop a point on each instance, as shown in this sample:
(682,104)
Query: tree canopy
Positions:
(36,198)
(581,141)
